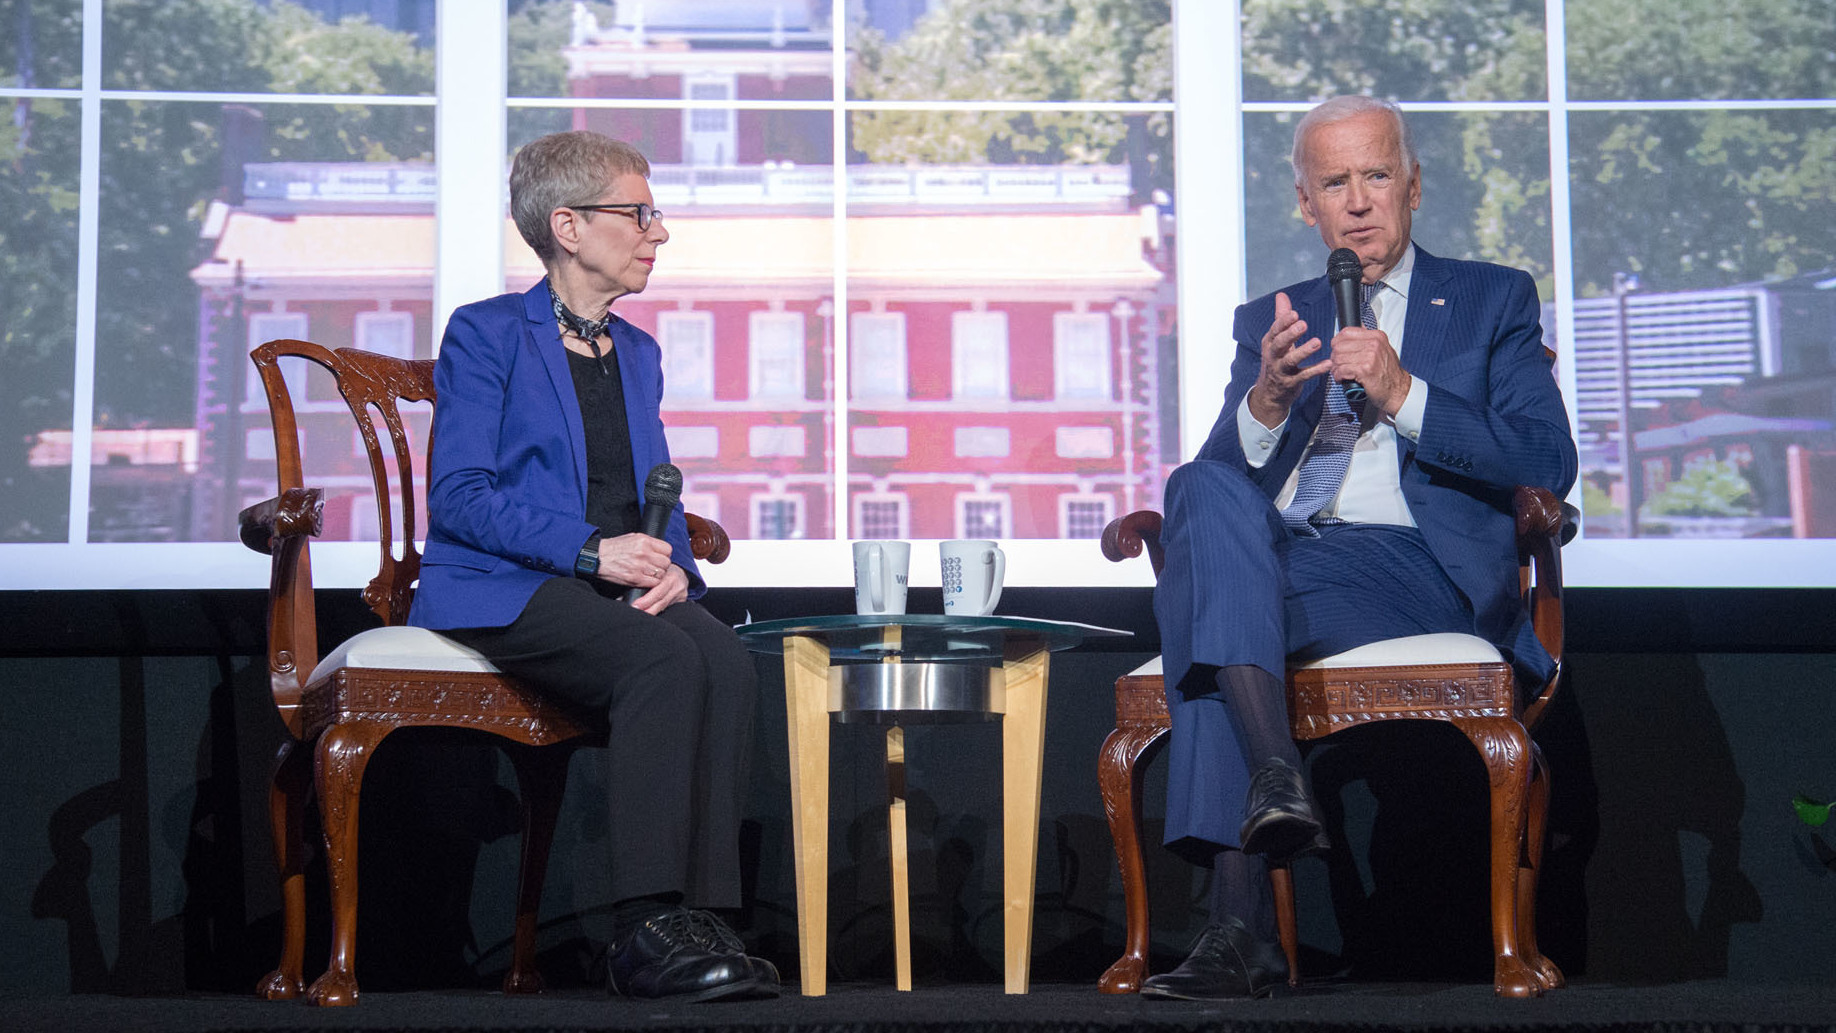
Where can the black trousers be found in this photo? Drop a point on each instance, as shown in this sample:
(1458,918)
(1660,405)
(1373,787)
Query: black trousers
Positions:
(677,692)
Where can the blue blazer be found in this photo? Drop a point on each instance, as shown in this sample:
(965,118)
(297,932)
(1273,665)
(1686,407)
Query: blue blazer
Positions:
(507,476)
(1494,420)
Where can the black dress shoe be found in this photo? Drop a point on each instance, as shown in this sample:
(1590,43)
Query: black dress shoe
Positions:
(1278,820)
(670,955)
(1226,963)
(719,938)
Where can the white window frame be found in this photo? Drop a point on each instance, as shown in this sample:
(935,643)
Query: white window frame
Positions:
(1070,498)
(273,326)
(775,359)
(879,370)
(368,326)
(1000,498)
(799,520)
(1081,369)
(898,499)
(687,341)
(697,140)
(979,368)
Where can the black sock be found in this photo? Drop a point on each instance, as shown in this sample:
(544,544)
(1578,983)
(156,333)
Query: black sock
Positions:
(1258,703)
(632,910)
(1240,889)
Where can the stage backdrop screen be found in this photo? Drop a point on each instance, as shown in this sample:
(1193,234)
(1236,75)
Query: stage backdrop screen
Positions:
(962,269)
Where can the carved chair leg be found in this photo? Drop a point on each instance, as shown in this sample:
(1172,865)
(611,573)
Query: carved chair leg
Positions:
(287,795)
(541,775)
(1536,826)
(1281,879)
(1505,748)
(1119,777)
(344,750)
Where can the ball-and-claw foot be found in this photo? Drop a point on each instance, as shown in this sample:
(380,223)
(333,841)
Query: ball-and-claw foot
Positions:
(333,990)
(1552,977)
(278,986)
(524,982)
(1513,978)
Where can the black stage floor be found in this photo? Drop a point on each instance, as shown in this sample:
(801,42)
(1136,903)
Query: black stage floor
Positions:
(1718,1006)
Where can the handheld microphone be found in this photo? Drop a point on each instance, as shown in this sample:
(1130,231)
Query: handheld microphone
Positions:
(662,490)
(1344,271)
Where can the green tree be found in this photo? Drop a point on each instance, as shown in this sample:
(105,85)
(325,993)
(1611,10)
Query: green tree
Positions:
(1701,199)
(164,161)
(40,47)
(537,34)
(1019,50)
(161,163)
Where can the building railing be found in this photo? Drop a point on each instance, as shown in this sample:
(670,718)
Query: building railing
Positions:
(690,186)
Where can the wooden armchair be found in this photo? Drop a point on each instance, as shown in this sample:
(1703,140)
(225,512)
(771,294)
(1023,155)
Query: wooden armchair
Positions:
(339,706)
(1460,679)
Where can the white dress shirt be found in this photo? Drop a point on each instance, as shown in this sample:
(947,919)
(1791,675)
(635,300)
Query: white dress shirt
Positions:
(1372,492)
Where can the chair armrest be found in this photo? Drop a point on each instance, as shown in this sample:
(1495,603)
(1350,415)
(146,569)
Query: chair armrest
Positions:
(280,528)
(296,511)
(1541,515)
(707,539)
(1544,524)
(1127,535)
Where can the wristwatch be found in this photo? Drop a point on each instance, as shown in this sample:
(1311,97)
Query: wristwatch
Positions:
(587,563)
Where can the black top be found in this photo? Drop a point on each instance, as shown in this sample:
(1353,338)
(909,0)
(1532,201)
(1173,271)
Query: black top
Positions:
(612,498)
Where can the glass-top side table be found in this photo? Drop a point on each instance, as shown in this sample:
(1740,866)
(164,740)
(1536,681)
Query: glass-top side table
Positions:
(897,669)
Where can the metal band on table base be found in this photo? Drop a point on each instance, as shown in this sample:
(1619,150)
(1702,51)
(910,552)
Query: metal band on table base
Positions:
(915,693)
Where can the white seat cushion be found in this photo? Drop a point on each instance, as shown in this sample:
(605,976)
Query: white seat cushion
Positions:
(1442,648)
(405,648)
(1150,669)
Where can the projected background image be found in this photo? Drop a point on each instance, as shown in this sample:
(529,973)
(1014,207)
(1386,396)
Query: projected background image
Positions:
(924,272)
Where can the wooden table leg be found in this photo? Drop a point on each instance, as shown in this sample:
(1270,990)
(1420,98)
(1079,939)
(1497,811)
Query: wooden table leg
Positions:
(1022,763)
(901,878)
(806,691)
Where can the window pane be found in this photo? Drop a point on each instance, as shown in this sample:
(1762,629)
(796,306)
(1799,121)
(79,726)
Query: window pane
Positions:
(44,48)
(38,275)
(980,254)
(962,50)
(1305,50)
(315,47)
(292,219)
(768,49)
(1703,243)
(1700,50)
(1485,195)
(876,350)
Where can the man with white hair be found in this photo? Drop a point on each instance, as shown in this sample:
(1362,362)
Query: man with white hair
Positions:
(1313,522)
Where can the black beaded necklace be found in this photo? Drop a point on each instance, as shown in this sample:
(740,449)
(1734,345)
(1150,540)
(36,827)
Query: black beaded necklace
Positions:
(588,330)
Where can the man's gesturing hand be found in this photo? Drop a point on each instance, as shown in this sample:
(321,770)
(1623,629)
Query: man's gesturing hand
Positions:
(1283,370)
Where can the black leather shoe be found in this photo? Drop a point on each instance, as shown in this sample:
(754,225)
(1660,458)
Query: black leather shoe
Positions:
(1278,820)
(1226,963)
(719,938)
(669,955)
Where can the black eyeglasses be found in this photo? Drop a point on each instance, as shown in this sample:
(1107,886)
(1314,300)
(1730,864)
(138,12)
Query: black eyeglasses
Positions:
(643,213)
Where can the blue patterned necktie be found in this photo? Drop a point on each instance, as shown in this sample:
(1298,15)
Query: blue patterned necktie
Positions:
(1322,474)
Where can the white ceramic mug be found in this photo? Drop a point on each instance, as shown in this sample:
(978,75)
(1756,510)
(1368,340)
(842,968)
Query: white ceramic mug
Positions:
(880,573)
(972,573)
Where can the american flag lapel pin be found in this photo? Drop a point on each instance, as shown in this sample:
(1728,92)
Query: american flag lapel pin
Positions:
(1437,301)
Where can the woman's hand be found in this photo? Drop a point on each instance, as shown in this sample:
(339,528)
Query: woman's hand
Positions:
(634,560)
(669,590)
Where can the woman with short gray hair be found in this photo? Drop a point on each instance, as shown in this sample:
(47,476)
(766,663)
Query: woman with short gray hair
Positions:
(546,425)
